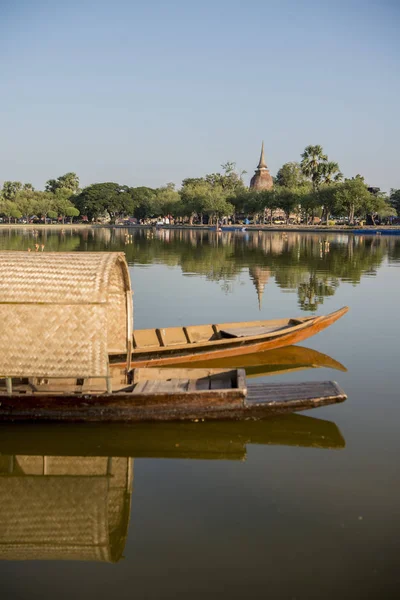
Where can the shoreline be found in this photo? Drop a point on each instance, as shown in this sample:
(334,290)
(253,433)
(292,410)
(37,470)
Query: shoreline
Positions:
(225,228)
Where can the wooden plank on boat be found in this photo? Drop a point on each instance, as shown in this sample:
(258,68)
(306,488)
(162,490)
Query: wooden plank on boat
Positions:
(172,336)
(313,391)
(199,333)
(145,338)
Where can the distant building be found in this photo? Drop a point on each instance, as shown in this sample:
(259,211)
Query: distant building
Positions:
(262,179)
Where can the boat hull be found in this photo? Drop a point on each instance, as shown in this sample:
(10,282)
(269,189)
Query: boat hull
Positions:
(260,402)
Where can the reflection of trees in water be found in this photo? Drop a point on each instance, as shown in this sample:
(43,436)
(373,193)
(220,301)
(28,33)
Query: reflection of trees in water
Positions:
(311,293)
(53,241)
(312,265)
(394,249)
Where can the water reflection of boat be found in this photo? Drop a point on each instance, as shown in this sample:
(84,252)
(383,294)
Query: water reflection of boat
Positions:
(214,440)
(275,362)
(63,507)
(65,490)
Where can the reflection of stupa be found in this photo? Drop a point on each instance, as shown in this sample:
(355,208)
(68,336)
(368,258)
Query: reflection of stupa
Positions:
(260,276)
(262,179)
(64,507)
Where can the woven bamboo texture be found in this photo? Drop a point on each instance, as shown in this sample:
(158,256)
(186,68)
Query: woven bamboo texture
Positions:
(64,508)
(62,314)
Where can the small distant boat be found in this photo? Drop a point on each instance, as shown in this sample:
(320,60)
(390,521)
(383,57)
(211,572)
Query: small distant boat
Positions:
(175,345)
(232,228)
(160,395)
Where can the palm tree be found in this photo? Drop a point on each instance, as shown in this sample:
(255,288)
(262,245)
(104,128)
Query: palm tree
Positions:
(311,160)
(330,172)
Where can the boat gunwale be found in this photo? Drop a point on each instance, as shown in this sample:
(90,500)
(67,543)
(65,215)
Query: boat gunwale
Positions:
(309,323)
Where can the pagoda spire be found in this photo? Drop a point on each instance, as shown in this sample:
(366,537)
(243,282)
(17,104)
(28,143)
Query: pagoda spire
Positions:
(262,164)
(262,179)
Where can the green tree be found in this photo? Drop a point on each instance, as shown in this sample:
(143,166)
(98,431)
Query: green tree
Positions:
(230,180)
(330,172)
(311,160)
(43,203)
(216,204)
(9,209)
(352,198)
(62,202)
(169,201)
(11,189)
(235,175)
(381,207)
(145,200)
(25,201)
(310,205)
(194,194)
(316,166)
(290,199)
(72,212)
(326,195)
(395,200)
(101,198)
(69,181)
(290,175)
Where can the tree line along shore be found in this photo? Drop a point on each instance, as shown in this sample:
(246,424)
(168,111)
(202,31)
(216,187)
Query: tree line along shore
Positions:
(306,192)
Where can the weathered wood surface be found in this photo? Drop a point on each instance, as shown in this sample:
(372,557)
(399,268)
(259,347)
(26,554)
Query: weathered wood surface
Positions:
(264,400)
(154,348)
(283,392)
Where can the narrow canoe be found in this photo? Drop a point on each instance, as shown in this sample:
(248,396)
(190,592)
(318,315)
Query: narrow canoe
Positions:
(175,345)
(161,395)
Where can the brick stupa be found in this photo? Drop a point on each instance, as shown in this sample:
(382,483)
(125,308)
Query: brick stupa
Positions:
(262,179)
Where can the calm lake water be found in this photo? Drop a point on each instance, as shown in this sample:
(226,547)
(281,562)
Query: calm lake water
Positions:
(306,506)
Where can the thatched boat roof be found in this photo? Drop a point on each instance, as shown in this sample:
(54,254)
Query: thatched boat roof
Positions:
(63,314)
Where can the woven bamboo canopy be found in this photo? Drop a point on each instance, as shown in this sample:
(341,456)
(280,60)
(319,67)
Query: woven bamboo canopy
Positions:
(64,507)
(63,314)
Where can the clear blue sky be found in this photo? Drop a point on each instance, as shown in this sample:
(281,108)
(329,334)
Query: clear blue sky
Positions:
(147,92)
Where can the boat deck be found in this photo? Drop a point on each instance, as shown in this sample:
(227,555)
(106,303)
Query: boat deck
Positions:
(264,393)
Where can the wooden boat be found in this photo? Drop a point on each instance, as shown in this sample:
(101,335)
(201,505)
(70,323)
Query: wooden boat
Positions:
(160,395)
(175,345)
(217,440)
